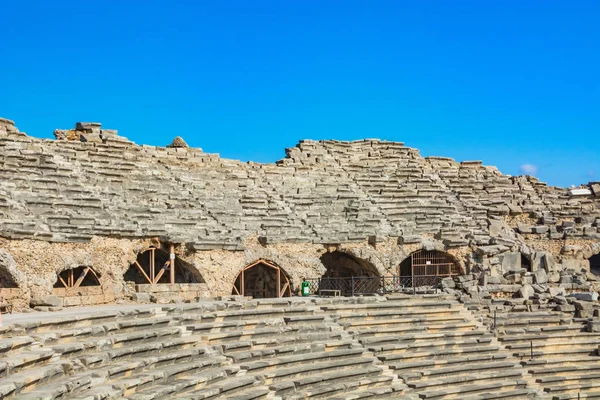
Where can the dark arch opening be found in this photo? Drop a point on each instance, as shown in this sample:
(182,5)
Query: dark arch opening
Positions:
(342,265)
(595,264)
(525,262)
(153,266)
(6,279)
(77,277)
(429,264)
(262,279)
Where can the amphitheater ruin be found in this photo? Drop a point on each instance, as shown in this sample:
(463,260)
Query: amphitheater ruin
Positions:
(142,272)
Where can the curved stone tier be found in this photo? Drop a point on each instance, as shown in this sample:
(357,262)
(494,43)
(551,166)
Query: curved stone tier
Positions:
(428,347)
(94,201)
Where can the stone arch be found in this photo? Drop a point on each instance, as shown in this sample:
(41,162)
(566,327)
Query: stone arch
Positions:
(429,264)
(7,267)
(153,266)
(262,279)
(77,277)
(339,264)
(595,264)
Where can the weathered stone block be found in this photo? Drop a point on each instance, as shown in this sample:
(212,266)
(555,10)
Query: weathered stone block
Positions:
(540,276)
(524,228)
(540,229)
(593,325)
(568,308)
(526,292)
(47,301)
(511,261)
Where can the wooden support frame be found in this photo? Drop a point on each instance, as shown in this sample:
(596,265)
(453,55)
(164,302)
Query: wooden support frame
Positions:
(153,275)
(283,282)
(71,282)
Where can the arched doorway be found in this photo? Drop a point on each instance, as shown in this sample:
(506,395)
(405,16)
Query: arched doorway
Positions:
(76,277)
(155,266)
(595,264)
(262,279)
(425,267)
(80,286)
(348,274)
(342,265)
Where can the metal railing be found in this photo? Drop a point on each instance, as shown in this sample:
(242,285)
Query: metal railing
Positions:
(360,285)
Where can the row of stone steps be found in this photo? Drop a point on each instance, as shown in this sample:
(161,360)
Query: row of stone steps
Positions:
(427,347)
(559,355)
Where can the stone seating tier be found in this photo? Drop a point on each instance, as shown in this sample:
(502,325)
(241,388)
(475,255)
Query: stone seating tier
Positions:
(559,355)
(413,347)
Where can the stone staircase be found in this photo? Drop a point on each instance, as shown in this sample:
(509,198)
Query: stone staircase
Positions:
(412,347)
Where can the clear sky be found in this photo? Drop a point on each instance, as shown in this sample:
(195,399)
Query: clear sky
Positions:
(515,83)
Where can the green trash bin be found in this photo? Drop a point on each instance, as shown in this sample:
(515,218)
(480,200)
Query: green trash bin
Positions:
(305,288)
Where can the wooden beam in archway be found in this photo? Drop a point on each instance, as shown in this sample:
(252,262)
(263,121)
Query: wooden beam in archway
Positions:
(283,282)
(153,276)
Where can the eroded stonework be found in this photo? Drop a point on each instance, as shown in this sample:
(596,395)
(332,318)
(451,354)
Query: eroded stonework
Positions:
(93,198)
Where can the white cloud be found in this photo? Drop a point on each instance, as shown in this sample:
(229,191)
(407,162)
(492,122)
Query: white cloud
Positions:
(528,169)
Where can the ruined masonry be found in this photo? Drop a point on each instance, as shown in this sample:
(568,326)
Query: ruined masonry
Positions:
(125,217)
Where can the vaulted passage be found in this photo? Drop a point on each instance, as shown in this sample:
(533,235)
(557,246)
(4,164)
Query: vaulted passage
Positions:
(262,279)
(154,266)
(595,264)
(426,266)
(342,265)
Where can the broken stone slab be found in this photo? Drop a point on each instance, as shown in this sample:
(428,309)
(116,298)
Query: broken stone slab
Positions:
(566,308)
(566,279)
(583,305)
(409,239)
(491,250)
(4,121)
(589,296)
(588,313)
(88,126)
(141,297)
(90,137)
(580,192)
(560,298)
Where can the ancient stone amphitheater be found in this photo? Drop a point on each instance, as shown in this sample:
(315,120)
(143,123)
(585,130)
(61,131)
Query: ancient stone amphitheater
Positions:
(146,272)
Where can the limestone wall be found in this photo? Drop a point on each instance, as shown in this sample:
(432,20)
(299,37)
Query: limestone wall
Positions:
(101,198)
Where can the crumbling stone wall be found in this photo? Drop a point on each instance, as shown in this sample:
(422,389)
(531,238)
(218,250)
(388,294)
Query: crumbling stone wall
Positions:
(92,197)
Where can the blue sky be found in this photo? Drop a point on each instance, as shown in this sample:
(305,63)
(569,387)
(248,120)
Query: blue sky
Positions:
(509,82)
